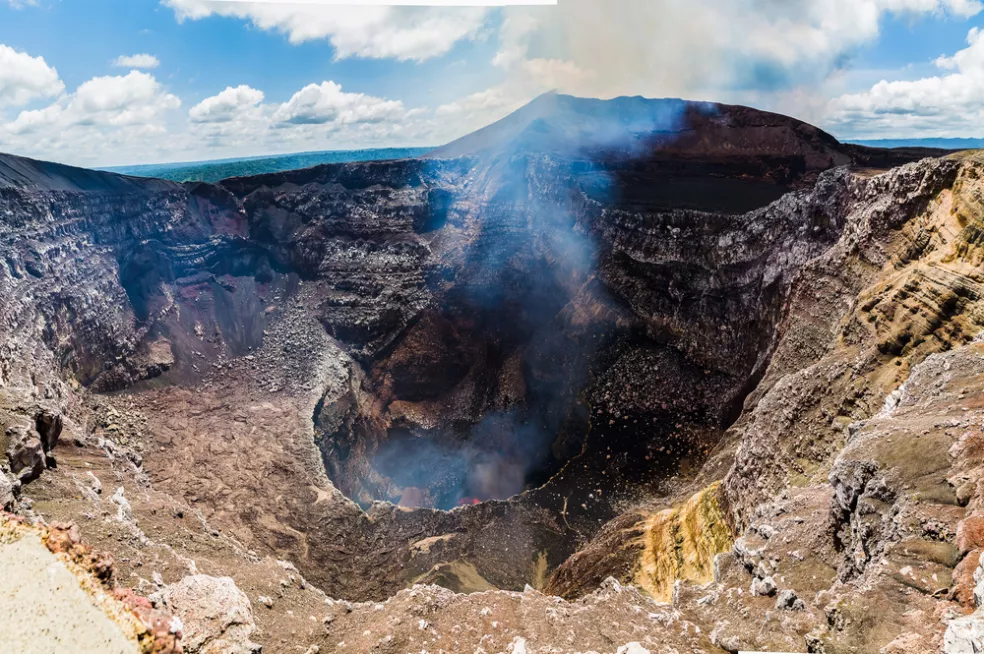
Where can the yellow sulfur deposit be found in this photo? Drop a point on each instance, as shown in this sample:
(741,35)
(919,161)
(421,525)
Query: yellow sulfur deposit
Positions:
(681,543)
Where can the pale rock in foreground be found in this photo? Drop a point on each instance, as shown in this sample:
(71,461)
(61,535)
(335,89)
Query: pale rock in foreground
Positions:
(6,491)
(633,648)
(966,635)
(216,616)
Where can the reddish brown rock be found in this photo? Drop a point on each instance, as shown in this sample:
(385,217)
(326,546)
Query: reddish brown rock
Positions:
(65,538)
(963,579)
(970,534)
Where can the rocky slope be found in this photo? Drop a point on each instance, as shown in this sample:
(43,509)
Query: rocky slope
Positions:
(655,341)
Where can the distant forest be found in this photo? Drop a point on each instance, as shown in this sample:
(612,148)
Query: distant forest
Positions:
(945,144)
(214,171)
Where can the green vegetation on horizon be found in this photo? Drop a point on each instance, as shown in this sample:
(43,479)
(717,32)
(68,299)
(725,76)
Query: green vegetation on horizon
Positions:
(215,171)
(936,143)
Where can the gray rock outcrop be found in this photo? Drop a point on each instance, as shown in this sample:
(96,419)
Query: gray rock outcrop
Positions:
(216,617)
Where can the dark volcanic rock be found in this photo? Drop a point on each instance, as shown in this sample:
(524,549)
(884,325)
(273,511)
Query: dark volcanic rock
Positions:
(25,453)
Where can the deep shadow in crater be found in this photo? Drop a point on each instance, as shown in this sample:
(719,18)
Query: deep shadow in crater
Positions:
(499,458)
(569,451)
(622,462)
(618,463)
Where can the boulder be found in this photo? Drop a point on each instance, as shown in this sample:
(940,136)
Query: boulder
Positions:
(49,425)
(633,648)
(7,487)
(970,534)
(217,617)
(979,587)
(764,587)
(789,601)
(124,512)
(25,451)
(963,578)
(965,635)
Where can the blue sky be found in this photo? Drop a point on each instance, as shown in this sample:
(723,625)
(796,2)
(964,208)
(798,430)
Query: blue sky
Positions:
(218,79)
(907,47)
(198,58)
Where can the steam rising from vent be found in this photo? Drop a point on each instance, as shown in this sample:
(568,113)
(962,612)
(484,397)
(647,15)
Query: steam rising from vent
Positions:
(582,130)
(588,310)
(493,464)
(516,311)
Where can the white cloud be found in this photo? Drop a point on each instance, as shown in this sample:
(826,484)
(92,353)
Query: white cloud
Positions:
(227,105)
(962,8)
(784,55)
(787,55)
(402,33)
(493,99)
(137,61)
(104,116)
(134,99)
(472,112)
(711,49)
(24,78)
(318,104)
(943,105)
(557,73)
(319,116)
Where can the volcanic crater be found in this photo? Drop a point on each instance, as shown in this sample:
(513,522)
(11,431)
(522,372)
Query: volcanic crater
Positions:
(469,369)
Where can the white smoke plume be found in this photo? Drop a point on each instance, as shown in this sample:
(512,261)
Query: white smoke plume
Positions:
(784,55)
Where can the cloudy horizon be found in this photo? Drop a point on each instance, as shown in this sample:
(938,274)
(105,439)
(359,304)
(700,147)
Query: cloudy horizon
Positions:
(185,80)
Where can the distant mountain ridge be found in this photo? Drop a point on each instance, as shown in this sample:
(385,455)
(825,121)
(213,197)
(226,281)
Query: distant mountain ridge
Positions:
(667,153)
(936,144)
(216,170)
(667,129)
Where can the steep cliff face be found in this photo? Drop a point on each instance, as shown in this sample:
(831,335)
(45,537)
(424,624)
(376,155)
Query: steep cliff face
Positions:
(565,326)
(850,477)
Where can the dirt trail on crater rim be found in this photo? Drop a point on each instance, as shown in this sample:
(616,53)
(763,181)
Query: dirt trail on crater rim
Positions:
(697,378)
